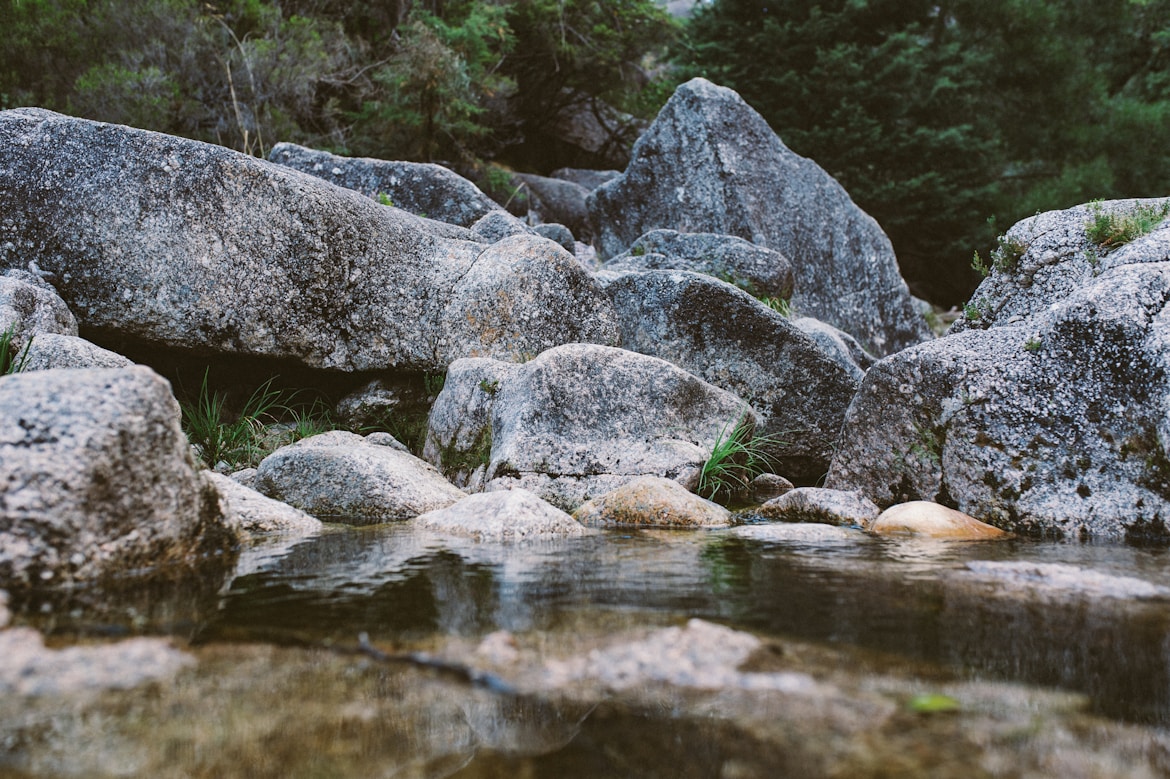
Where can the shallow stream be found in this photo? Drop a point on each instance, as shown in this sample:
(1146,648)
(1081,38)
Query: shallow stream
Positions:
(385,652)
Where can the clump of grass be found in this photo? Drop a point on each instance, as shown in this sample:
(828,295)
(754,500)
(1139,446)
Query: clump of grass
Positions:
(12,360)
(221,437)
(781,306)
(737,457)
(1111,229)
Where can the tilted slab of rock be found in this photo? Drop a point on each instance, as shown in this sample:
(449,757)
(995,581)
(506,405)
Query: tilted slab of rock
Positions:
(422,188)
(709,163)
(96,477)
(578,421)
(651,501)
(341,477)
(1053,420)
(728,338)
(755,269)
(821,506)
(53,350)
(185,244)
(249,512)
(508,515)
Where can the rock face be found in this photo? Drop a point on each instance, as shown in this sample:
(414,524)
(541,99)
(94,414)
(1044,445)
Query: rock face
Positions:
(510,515)
(422,188)
(651,501)
(709,163)
(1052,421)
(730,339)
(578,421)
(96,477)
(185,244)
(341,477)
(755,269)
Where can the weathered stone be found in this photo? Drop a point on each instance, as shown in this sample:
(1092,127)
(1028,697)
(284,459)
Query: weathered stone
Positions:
(340,477)
(800,533)
(179,243)
(376,401)
(652,501)
(96,478)
(422,188)
(597,132)
(756,269)
(923,518)
(709,163)
(767,486)
(558,234)
(823,506)
(497,226)
(579,421)
(1052,421)
(502,308)
(552,200)
(249,512)
(837,344)
(728,338)
(508,515)
(29,307)
(30,669)
(589,179)
(1029,579)
(53,350)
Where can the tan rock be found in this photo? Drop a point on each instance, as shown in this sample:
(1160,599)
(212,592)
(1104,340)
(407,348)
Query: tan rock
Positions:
(652,501)
(923,518)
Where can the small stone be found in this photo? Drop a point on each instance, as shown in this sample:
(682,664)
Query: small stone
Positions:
(923,518)
(814,504)
(652,501)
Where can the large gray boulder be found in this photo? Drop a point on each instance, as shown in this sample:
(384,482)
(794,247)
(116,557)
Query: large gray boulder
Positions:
(756,269)
(96,478)
(180,243)
(1053,420)
(579,421)
(709,163)
(728,338)
(422,188)
(342,477)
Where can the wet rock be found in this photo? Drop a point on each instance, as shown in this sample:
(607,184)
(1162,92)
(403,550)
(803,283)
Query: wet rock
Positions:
(923,518)
(1049,422)
(191,245)
(709,163)
(249,512)
(825,506)
(96,478)
(1055,578)
(800,533)
(29,307)
(767,486)
(53,350)
(340,477)
(728,338)
(422,188)
(652,501)
(29,669)
(579,421)
(509,515)
(757,270)
(504,306)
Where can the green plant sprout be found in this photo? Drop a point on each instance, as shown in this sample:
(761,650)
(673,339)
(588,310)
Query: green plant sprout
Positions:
(12,360)
(218,436)
(781,306)
(736,458)
(1111,229)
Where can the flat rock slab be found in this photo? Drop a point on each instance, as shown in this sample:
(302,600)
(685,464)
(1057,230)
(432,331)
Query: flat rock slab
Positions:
(341,477)
(508,515)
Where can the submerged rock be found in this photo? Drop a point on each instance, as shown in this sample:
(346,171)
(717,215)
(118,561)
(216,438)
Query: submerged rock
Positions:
(97,478)
(923,518)
(578,421)
(508,515)
(1052,420)
(800,533)
(422,188)
(823,506)
(728,338)
(709,163)
(341,477)
(652,501)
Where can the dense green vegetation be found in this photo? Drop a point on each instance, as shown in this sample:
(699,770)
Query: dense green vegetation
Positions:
(936,116)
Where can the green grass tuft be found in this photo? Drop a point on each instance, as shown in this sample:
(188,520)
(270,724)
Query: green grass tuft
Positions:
(1111,229)
(220,436)
(12,360)
(737,457)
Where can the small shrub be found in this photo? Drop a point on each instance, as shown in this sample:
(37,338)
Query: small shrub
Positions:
(1033,344)
(489,387)
(12,360)
(736,458)
(385,200)
(1111,229)
(1007,254)
(980,266)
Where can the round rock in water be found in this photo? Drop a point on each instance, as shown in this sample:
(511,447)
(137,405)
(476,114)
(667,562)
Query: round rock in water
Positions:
(923,518)
(652,501)
(814,504)
(507,515)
